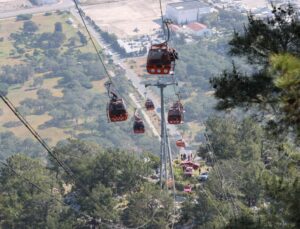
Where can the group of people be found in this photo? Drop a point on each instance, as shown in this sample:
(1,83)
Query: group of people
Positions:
(185,156)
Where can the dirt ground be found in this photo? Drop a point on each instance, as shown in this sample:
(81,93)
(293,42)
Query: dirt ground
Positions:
(6,5)
(123,17)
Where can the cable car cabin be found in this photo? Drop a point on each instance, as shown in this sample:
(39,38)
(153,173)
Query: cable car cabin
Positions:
(175,114)
(161,59)
(149,105)
(116,110)
(180,143)
(138,127)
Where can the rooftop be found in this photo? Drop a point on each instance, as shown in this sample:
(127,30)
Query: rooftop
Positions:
(188,5)
(196,26)
(174,27)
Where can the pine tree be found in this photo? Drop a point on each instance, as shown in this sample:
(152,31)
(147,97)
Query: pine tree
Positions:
(262,39)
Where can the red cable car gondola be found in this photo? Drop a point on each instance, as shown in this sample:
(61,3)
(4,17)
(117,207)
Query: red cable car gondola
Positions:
(138,125)
(175,114)
(116,109)
(149,105)
(180,143)
(161,58)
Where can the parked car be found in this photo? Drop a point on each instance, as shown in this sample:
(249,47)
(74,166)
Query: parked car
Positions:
(203,176)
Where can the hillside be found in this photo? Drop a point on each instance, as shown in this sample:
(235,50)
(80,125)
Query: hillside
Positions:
(86,153)
(46,93)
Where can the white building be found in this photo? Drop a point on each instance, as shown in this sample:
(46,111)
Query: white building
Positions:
(185,12)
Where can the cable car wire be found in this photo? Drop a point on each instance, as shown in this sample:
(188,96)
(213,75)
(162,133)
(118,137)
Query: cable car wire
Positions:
(52,153)
(48,193)
(218,210)
(108,75)
(31,183)
(97,51)
(162,16)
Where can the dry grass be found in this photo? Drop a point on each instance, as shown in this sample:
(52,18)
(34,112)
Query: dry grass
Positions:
(7,27)
(20,92)
(51,84)
(98,86)
(113,16)
(45,24)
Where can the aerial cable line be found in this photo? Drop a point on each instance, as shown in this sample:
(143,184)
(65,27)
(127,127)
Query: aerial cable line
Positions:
(34,133)
(177,93)
(98,53)
(46,192)
(31,183)
(92,40)
(52,153)
(175,85)
(218,210)
(96,49)
(165,23)
(162,18)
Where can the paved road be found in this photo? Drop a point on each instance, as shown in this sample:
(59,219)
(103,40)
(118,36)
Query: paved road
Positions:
(61,5)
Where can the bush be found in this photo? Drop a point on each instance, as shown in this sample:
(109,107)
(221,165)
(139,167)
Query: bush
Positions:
(24,17)
(12,124)
(87,84)
(30,27)
(179,186)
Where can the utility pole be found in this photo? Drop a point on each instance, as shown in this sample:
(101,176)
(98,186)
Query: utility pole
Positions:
(165,149)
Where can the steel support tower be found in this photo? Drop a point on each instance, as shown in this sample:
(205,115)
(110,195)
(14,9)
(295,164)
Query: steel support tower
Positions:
(165,148)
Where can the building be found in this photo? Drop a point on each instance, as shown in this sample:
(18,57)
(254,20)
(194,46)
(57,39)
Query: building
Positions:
(43,2)
(186,12)
(198,29)
(174,28)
